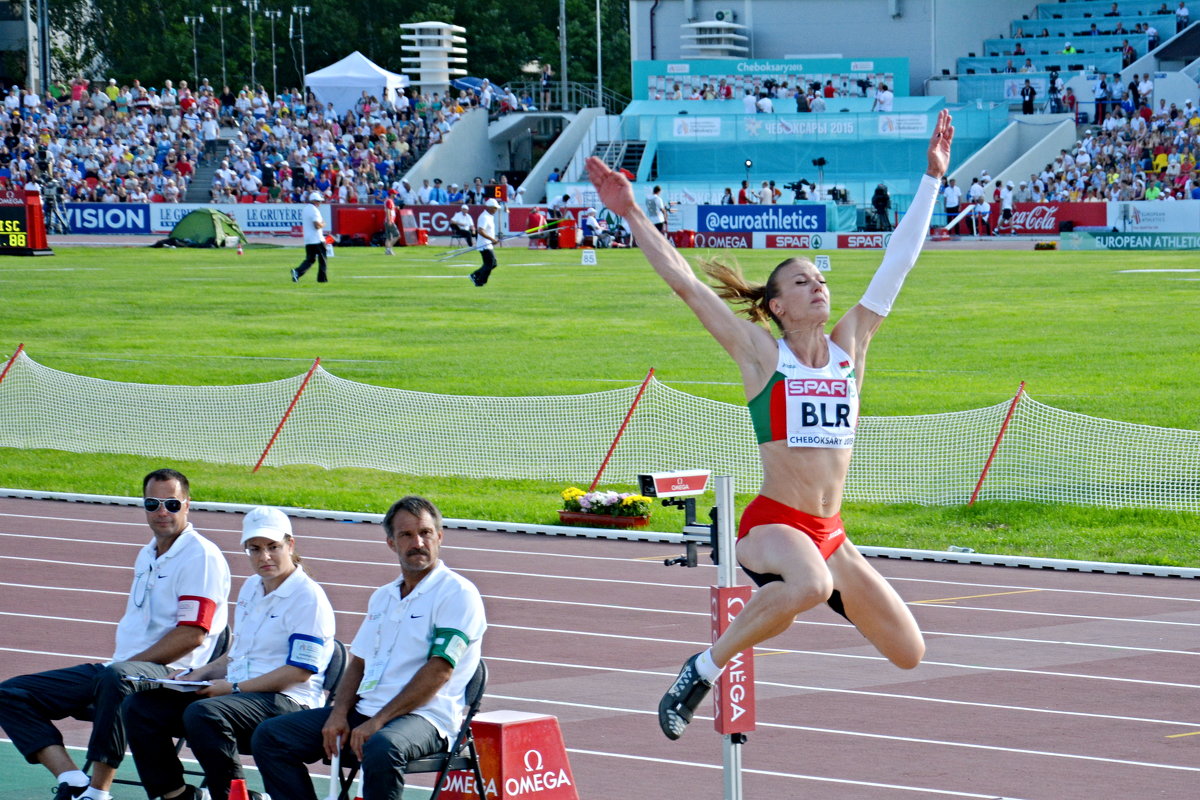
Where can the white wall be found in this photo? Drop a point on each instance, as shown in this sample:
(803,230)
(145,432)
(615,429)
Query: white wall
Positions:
(930,33)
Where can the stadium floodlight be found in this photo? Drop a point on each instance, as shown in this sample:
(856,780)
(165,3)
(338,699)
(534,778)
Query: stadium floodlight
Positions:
(221,11)
(194,21)
(749,164)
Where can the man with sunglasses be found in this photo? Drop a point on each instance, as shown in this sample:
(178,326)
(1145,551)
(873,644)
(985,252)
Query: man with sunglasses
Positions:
(175,613)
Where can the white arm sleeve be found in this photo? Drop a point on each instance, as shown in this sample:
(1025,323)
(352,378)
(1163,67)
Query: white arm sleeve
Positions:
(902,250)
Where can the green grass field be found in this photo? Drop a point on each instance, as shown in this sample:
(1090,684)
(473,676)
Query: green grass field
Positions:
(969,326)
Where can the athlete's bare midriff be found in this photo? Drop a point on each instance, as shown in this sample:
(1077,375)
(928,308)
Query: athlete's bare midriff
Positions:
(810,479)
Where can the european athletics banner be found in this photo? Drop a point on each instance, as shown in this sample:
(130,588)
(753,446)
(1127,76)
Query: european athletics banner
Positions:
(1130,241)
(809,218)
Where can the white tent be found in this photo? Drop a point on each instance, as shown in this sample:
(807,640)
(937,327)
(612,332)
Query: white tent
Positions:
(344,82)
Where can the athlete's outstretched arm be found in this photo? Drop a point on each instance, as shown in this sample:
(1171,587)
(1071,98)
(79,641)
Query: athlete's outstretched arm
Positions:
(854,331)
(738,336)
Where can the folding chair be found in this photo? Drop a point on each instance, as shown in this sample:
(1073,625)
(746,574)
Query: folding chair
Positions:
(461,756)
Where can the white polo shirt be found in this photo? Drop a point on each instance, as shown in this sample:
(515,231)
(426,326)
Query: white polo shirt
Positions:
(485,224)
(187,585)
(292,625)
(396,637)
(309,217)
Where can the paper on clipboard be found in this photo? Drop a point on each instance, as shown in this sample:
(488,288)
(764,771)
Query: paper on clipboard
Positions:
(170,683)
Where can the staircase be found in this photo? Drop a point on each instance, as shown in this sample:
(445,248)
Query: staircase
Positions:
(625,155)
(199,190)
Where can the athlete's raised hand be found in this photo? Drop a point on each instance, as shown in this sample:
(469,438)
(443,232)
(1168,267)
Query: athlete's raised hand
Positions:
(939,144)
(612,186)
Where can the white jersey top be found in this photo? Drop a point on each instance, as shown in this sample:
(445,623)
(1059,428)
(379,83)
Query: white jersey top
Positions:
(292,625)
(656,209)
(808,406)
(398,633)
(187,585)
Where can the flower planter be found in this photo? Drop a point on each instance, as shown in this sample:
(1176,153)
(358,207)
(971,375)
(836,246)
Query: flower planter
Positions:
(601,520)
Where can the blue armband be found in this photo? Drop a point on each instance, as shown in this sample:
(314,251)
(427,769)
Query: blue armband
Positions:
(305,651)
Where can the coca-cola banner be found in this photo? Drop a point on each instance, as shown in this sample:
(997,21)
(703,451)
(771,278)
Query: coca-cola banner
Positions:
(1045,218)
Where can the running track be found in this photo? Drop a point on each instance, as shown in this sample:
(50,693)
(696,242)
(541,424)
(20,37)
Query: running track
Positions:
(1037,685)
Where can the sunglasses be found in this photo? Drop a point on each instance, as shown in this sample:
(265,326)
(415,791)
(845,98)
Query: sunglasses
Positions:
(172,505)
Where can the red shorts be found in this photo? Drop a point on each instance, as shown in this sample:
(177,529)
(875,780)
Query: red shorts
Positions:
(827,533)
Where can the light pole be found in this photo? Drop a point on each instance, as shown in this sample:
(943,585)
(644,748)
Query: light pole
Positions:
(302,12)
(251,7)
(562,49)
(221,11)
(273,14)
(194,21)
(599,70)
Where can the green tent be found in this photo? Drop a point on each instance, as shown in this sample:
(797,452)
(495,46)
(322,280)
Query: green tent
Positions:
(207,227)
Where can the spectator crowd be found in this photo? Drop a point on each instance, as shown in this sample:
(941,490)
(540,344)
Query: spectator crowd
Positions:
(105,142)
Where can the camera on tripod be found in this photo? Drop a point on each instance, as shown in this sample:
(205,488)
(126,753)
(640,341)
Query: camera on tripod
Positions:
(800,188)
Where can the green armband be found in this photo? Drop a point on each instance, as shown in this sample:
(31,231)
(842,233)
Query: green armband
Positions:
(449,644)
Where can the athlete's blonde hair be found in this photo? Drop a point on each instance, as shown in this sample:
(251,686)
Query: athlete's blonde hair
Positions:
(754,299)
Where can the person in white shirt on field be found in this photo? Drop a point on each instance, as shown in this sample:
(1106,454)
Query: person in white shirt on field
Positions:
(314,239)
(485,226)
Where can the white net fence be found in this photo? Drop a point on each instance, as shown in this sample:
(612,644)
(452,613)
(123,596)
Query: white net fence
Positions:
(1047,455)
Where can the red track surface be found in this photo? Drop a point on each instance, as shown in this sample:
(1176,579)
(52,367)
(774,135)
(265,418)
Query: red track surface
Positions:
(1037,685)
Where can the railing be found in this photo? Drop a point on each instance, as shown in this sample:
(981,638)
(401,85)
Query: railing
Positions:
(578,95)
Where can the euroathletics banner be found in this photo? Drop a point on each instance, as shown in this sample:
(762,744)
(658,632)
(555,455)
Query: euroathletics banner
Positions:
(1154,216)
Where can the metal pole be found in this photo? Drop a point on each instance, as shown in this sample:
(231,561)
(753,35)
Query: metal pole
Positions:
(562,50)
(44,43)
(599,62)
(302,12)
(222,11)
(29,42)
(194,21)
(273,14)
(251,6)
(727,576)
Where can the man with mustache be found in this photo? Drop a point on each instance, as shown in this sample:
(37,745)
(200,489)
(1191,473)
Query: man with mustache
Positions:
(402,694)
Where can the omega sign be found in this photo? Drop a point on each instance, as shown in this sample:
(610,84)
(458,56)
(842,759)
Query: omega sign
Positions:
(537,777)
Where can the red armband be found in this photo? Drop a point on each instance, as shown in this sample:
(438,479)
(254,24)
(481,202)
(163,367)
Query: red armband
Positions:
(198,611)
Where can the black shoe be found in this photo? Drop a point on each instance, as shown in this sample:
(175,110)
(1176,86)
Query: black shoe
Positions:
(677,706)
(66,791)
(475,279)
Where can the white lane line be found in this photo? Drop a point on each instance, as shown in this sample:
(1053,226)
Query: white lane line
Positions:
(882,736)
(865,693)
(853,656)
(922,790)
(1046,589)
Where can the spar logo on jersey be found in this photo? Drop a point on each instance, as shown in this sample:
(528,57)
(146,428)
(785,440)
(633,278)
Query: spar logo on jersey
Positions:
(796,241)
(816,387)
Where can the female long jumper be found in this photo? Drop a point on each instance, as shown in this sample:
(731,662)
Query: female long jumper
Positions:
(803,396)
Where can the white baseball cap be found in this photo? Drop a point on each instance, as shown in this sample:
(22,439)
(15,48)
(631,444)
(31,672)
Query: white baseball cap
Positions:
(316,197)
(466,207)
(492,203)
(266,523)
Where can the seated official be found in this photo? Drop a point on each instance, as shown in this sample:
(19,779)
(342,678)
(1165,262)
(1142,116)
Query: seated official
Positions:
(462,225)
(402,695)
(588,228)
(283,640)
(174,615)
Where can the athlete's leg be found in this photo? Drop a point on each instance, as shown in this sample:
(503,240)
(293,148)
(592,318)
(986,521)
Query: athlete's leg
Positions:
(785,551)
(876,609)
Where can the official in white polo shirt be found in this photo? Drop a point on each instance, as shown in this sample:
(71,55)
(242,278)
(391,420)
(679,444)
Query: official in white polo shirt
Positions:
(177,608)
(283,630)
(402,695)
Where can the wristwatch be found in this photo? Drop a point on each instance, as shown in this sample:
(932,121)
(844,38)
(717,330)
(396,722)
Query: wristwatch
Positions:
(236,689)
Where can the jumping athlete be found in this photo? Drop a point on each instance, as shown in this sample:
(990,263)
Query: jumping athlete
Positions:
(803,390)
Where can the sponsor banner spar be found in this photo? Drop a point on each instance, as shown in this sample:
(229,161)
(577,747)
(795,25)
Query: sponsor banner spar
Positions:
(1033,219)
(745,240)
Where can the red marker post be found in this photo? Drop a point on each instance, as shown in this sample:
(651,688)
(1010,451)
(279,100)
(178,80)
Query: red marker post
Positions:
(733,697)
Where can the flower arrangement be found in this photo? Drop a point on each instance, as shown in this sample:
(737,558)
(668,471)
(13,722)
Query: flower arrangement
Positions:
(611,504)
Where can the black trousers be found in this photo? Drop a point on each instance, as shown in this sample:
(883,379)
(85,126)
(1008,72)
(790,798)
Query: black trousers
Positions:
(314,252)
(282,746)
(28,704)
(217,729)
(465,234)
(480,276)
(951,213)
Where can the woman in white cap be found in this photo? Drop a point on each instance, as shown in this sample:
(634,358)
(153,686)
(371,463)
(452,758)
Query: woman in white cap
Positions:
(803,399)
(314,239)
(283,640)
